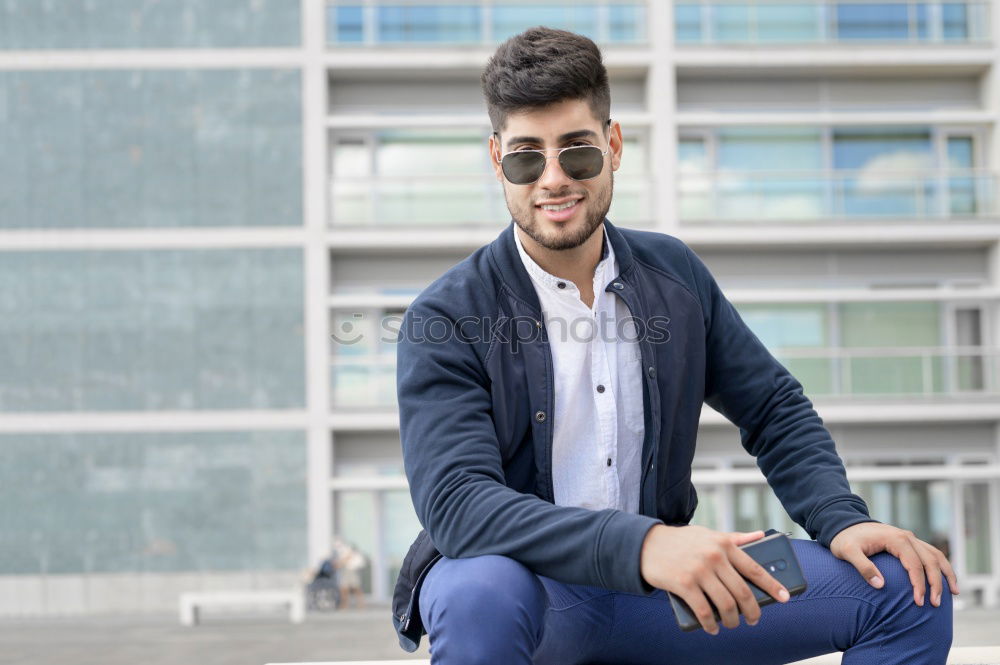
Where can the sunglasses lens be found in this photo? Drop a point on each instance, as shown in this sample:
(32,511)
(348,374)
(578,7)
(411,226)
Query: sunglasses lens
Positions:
(520,168)
(582,163)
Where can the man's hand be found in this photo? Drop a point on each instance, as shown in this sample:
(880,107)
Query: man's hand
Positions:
(859,541)
(694,562)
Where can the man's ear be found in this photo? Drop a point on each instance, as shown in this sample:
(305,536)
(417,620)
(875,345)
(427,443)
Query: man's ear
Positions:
(495,151)
(616,143)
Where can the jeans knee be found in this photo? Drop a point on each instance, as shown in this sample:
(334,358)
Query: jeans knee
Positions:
(496,582)
(900,593)
(483,601)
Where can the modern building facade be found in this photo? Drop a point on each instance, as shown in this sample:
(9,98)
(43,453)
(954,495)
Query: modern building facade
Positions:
(212,216)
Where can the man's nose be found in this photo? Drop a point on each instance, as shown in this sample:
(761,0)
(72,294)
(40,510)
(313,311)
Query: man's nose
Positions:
(553,176)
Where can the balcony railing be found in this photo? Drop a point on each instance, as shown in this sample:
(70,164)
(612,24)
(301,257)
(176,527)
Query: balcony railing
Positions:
(822,195)
(892,372)
(475,200)
(861,374)
(364,382)
(478,22)
(772,22)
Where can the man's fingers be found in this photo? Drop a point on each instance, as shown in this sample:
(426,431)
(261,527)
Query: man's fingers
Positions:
(737,586)
(948,571)
(754,572)
(907,555)
(932,569)
(864,565)
(700,608)
(723,601)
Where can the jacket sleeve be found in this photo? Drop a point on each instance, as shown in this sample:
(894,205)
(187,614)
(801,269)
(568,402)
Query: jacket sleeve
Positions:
(452,459)
(777,422)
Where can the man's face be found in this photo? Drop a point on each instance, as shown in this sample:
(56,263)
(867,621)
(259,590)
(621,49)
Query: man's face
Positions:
(544,129)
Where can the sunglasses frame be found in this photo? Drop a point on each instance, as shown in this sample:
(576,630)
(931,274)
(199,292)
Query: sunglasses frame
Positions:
(559,152)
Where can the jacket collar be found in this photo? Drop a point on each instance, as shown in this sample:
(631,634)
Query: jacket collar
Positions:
(507,261)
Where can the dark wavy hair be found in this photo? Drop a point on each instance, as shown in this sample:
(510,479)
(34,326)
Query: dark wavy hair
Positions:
(542,66)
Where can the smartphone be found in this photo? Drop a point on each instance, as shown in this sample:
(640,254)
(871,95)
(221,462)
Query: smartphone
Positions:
(774,552)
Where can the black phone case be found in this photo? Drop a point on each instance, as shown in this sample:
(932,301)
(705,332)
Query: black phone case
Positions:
(774,552)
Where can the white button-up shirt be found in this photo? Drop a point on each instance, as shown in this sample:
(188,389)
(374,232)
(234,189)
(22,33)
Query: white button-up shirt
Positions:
(597,440)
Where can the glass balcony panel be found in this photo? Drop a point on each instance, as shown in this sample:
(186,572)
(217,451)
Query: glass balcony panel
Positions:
(688,24)
(890,172)
(428,24)
(346,24)
(509,20)
(367,382)
(440,23)
(764,196)
(788,22)
(846,21)
(856,21)
(428,178)
(890,324)
(626,23)
(754,195)
(955,19)
(898,376)
(731,22)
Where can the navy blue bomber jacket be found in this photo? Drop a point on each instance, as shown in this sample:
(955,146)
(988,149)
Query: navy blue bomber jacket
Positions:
(475,389)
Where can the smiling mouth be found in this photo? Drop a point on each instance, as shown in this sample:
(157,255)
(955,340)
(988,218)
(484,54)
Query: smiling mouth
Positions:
(561,214)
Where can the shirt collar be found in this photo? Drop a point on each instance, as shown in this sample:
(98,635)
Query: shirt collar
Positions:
(550,281)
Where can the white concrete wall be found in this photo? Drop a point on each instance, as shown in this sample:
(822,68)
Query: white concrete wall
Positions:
(68,595)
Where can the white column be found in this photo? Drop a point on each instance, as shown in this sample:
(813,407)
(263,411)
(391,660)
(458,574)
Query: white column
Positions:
(314,144)
(661,104)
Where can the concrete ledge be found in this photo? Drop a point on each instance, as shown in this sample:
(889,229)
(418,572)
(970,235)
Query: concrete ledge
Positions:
(957,656)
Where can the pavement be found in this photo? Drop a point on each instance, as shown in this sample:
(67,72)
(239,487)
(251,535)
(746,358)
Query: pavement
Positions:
(227,639)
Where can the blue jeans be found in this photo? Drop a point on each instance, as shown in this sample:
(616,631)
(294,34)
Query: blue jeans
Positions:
(492,609)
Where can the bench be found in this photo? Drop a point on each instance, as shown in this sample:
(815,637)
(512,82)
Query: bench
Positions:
(192,601)
(957,656)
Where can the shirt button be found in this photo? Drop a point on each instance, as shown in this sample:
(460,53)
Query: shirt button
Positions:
(609,461)
(651,371)
(540,416)
(600,388)
(561,285)
(618,285)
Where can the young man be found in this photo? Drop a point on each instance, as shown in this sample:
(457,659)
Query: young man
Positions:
(550,461)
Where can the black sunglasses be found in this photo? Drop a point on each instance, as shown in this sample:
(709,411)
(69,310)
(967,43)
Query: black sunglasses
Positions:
(579,162)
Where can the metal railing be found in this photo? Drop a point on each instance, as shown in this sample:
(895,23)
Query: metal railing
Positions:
(836,194)
(387,23)
(455,200)
(862,374)
(763,22)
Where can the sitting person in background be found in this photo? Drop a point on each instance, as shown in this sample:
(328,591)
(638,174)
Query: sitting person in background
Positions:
(349,564)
